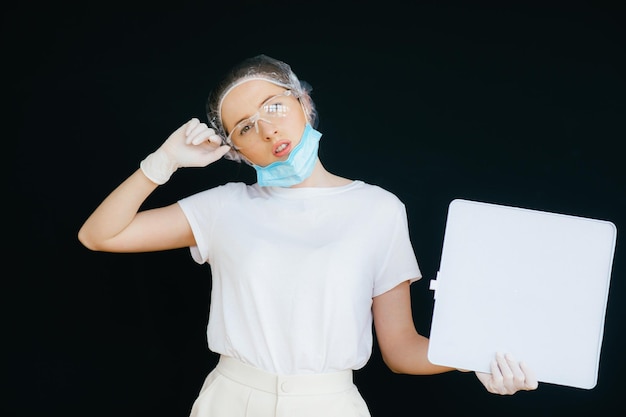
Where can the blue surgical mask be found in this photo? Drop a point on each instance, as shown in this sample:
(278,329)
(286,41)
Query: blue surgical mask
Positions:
(298,166)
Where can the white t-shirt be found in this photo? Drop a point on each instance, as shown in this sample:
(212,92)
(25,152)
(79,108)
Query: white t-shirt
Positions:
(294,270)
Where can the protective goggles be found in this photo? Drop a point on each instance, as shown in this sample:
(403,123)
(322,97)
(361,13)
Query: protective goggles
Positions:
(274,110)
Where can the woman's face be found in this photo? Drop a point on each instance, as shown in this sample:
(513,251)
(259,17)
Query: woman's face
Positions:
(264,122)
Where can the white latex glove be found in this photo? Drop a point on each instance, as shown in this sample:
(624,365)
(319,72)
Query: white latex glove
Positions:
(508,376)
(194,144)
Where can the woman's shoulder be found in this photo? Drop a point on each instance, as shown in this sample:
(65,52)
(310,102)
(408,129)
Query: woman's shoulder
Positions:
(377,190)
(229,189)
(377,196)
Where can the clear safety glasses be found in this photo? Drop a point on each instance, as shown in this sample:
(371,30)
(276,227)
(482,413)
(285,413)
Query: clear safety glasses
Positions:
(274,110)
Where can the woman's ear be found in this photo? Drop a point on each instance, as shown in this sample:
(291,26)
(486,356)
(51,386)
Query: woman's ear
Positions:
(243,157)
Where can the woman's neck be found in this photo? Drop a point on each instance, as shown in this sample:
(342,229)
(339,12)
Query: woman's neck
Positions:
(320,177)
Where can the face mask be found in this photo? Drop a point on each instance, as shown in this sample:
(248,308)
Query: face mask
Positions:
(297,167)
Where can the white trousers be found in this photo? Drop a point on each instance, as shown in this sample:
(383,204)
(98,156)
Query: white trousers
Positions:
(234,389)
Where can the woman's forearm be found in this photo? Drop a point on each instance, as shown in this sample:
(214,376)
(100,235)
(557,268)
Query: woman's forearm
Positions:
(116,211)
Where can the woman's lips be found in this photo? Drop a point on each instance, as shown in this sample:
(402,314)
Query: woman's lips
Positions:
(282,148)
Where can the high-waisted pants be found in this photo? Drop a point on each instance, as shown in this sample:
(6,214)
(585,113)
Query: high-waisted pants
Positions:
(235,389)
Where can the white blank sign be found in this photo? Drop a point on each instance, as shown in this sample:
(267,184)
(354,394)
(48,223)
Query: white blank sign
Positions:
(531,283)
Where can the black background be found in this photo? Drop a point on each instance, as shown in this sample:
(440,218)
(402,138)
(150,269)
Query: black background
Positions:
(512,103)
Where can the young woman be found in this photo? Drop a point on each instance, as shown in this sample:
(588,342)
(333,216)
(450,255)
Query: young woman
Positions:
(303,262)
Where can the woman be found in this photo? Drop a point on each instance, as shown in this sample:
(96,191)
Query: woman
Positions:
(303,261)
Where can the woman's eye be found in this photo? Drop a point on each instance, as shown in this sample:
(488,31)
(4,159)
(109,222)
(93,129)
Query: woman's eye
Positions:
(275,108)
(245,128)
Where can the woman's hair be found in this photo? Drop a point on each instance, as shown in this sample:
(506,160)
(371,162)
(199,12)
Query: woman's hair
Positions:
(260,67)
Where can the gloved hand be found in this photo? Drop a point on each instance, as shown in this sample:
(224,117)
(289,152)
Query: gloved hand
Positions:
(508,376)
(194,144)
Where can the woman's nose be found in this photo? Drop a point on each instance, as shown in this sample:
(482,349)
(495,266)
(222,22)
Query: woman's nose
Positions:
(267,130)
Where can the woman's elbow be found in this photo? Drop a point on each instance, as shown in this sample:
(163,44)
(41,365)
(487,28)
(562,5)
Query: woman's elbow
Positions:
(393,368)
(87,241)
(394,365)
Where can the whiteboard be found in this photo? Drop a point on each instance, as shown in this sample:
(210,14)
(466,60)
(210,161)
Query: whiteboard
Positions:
(531,283)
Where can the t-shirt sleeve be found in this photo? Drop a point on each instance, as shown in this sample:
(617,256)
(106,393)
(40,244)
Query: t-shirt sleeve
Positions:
(399,263)
(202,210)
